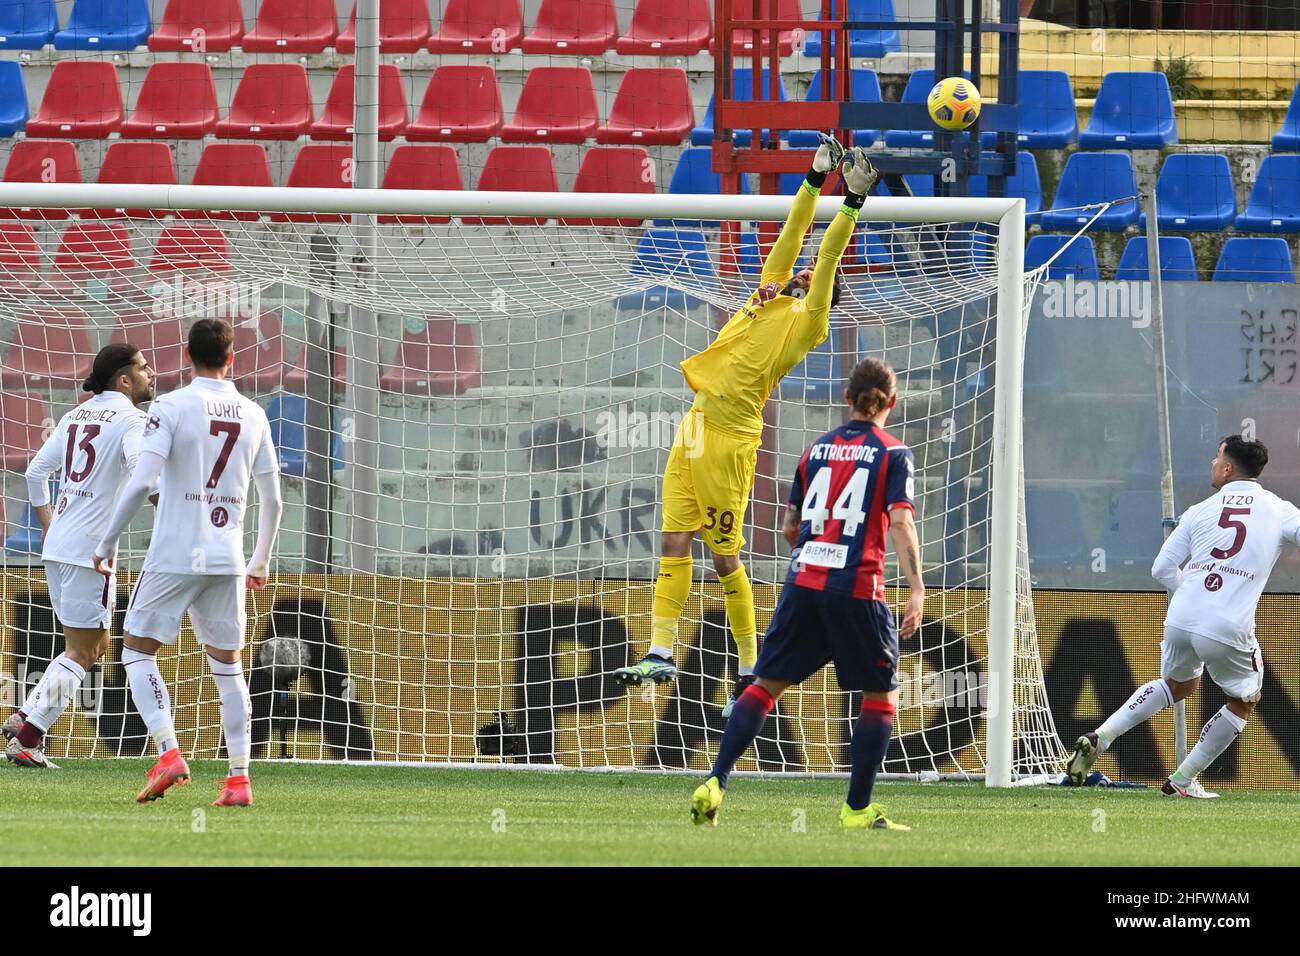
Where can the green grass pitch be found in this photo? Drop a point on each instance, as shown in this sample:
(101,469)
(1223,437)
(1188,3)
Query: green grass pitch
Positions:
(86,814)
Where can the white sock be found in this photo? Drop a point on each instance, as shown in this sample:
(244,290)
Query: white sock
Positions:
(51,697)
(236,713)
(1219,732)
(149,691)
(743,671)
(664,652)
(1147,701)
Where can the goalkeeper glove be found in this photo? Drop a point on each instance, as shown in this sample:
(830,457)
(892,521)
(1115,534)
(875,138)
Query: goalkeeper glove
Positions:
(829,154)
(859,176)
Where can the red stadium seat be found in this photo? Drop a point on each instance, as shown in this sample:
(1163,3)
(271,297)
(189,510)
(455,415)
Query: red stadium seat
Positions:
(295,377)
(93,250)
(742,41)
(403,27)
(667,28)
(23,420)
(163,342)
(177,101)
(323,167)
(336,119)
(613,169)
(136,163)
(516,169)
(441,359)
(41,161)
(422,167)
(51,349)
(557,105)
(293,26)
(259,353)
(199,26)
(462,104)
(573,27)
(479,26)
(197,248)
(273,101)
(20,256)
(653,106)
(230,164)
(83,100)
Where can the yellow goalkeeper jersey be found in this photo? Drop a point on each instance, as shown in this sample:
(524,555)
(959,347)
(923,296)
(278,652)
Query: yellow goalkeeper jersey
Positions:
(764,340)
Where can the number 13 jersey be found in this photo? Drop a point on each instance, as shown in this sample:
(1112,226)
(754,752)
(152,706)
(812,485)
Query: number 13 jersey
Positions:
(212,440)
(95,445)
(1230,542)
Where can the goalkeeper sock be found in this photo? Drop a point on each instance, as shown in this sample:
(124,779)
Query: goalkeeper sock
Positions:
(738,594)
(1147,701)
(1219,733)
(236,714)
(746,720)
(51,697)
(672,588)
(149,691)
(870,743)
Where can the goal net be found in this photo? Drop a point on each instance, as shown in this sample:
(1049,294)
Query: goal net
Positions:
(473,405)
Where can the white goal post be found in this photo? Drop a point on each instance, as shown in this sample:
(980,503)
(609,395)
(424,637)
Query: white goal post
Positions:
(417,264)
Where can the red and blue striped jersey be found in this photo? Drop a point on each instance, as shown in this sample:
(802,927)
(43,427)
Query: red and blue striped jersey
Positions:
(844,487)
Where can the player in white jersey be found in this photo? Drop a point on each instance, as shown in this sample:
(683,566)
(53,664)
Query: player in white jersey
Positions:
(96,446)
(206,443)
(1216,563)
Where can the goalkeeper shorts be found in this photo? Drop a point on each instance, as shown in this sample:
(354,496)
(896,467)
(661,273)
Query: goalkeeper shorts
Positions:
(708,482)
(811,628)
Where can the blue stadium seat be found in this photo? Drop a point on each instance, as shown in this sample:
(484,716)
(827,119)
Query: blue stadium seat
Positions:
(865,88)
(1275,201)
(867,43)
(1287,139)
(1091,178)
(287,415)
(25,538)
(1194,433)
(742,89)
(919,85)
(1054,518)
(694,176)
(105,25)
(1255,259)
(27,24)
(13,98)
(1079,258)
(1195,193)
(1133,536)
(1048,119)
(1177,260)
(1025,184)
(1132,111)
(675,252)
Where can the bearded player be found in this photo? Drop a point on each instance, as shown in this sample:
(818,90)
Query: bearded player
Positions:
(205,443)
(710,473)
(96,445)
(1216,563)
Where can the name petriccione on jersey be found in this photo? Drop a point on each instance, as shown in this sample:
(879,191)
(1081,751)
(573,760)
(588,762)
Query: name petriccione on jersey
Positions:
(844,487)
(213,440)
(96,446)
(1230,542)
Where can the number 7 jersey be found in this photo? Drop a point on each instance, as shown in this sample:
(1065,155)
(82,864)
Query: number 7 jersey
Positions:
(212,440)
(844,488)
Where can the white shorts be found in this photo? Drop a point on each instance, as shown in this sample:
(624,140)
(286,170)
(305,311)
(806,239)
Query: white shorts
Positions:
(215,603)
(81,597)
(1239,673)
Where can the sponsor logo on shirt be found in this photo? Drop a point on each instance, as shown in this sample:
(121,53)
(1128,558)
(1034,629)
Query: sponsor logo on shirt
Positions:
(219,517)
(1213,582)
(824,554)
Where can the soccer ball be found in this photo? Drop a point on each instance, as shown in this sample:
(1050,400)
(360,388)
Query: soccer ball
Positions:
(954,103)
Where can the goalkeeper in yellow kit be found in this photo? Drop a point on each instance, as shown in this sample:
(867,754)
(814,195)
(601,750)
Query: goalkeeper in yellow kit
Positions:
(710,473)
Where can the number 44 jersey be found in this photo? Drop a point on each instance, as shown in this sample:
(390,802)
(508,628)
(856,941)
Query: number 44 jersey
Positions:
(1230,542)
(212,441)
(96,446)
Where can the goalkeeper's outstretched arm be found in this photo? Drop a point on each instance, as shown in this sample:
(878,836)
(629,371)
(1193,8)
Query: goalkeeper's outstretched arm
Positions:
(779,266)
(859,177)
